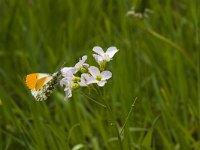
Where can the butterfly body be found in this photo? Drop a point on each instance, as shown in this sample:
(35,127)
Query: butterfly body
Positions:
(41,84)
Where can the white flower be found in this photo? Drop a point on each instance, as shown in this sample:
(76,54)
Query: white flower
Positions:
(67,82)
(68,71)
(98,77)
(81,63)
(68,92)
(84,79)
(104,56)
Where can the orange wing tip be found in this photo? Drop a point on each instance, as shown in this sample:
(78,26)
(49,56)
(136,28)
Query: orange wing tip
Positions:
(30,80)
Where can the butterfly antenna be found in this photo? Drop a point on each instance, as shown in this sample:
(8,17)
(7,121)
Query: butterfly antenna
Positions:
(62,65)
(59,67)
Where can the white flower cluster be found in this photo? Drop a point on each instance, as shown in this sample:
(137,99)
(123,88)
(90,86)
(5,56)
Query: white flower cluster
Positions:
(83,75)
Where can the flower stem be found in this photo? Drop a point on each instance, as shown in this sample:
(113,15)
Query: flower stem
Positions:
(100,104)
(133,104)
(114,123)
(118,136)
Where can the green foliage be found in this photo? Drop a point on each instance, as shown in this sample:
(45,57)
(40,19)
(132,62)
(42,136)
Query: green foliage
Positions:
(158,62)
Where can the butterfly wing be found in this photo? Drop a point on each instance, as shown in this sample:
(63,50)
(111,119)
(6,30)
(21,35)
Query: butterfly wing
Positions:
(31,80)
(41,91)
(34,79)
(42,81)
(44,86)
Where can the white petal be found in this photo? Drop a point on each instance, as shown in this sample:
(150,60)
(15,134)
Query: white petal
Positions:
(95,57)
(101,83)
(91,80)
(111,51)
(106,75)
(98,50)
(84,78)
(66,81)
(78,64)
(84,58)
(85,75)
(63,82)
(98,58)
(68,93)
(82,83)
(106,57)
(85,65)
(94,71)
(68,71)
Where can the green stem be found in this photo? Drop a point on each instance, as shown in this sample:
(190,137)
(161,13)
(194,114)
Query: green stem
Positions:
(118,136)
(100,104)
(111,114)
(133,104)
(116,128)
(71,130)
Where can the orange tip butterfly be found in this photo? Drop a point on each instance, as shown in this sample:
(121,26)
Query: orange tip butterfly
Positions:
(42,84)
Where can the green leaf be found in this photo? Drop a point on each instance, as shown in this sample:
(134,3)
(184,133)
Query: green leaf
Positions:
(148,140)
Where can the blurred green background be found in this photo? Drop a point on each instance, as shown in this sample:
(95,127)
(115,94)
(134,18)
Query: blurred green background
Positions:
(157,63)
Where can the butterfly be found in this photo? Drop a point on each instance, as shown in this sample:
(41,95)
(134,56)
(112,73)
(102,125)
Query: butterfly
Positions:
(42,84)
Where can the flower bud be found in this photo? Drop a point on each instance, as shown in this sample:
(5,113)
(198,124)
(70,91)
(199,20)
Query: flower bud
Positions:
(76,79)
(83,70)
(75,86)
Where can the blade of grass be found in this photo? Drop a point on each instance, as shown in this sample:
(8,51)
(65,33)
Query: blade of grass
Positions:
(129,113)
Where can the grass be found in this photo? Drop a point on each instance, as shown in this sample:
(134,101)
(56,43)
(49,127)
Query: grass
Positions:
(158,63)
